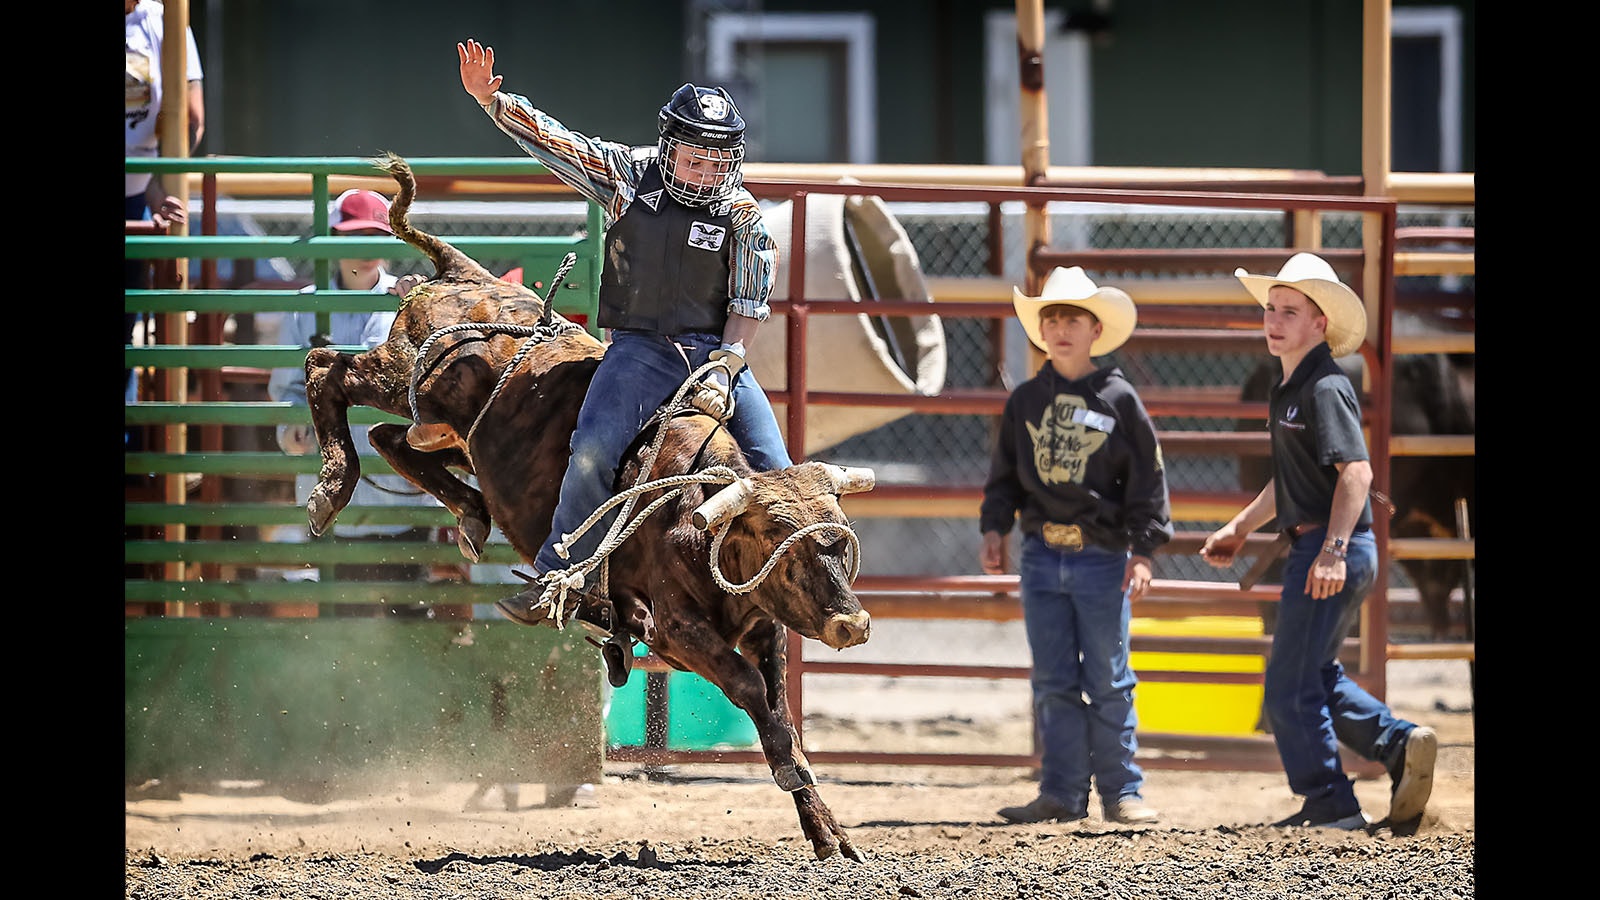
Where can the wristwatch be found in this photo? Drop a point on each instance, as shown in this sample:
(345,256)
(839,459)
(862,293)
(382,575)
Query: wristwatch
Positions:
(1334,547)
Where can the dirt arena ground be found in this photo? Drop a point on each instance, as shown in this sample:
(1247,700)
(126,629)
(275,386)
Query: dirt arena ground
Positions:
(725,831)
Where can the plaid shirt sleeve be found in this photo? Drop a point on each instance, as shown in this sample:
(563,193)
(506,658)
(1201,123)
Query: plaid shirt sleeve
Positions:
(755,260)
(600,170)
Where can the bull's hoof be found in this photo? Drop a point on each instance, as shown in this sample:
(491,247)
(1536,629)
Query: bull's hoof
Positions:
(319,511)
(431,436)
(793,778)
(470,535)
(618,655)
(835,844)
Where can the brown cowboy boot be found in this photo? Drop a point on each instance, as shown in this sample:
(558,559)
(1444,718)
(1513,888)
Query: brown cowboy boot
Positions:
(595,613)
(591,610)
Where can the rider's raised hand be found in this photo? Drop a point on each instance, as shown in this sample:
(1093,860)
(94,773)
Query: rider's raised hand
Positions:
(477,71)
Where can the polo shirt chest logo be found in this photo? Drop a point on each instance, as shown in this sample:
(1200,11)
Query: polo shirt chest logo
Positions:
(1288,420)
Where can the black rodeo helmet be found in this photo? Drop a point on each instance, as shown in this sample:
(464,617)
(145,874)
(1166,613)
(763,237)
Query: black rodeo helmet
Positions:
(702,145)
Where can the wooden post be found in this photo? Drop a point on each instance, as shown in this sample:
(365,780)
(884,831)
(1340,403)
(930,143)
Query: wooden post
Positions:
(174,140)
(1035,119)
(1375,138)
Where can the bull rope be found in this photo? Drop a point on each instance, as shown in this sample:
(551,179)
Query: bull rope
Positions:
(546,330)
(535,334)
(772,561)
(560,582)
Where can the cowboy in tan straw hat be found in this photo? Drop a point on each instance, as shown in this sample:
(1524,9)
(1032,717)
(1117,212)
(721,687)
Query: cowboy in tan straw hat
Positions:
(1309,274)
(1318,498)
(1077,469)
(1112,309)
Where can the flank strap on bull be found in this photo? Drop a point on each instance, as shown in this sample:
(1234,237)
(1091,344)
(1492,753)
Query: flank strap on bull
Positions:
(546,330)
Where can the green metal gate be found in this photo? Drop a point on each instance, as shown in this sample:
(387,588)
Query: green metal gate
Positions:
(218,684)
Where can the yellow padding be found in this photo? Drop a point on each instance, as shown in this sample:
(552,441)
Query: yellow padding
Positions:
(1184,708)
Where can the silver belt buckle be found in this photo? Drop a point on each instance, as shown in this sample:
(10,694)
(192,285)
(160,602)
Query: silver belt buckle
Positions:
(1063,537)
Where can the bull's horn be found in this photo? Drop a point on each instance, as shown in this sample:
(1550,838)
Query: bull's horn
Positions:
(724,505)
(850,479)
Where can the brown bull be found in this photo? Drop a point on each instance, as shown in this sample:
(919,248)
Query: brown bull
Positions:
(500,402)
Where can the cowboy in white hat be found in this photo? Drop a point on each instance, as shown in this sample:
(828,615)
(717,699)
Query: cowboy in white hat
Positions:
(1077,469)
(1321,475)
(1338,315)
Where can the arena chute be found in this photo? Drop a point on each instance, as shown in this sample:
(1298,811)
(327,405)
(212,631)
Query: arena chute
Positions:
(855,250)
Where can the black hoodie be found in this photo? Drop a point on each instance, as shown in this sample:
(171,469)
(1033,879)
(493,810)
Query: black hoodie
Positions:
(1080,452)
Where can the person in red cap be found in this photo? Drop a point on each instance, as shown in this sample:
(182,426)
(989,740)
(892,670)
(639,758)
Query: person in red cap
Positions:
(354,213)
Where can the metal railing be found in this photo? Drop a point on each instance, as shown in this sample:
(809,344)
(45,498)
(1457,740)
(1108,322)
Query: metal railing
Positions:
(908,595)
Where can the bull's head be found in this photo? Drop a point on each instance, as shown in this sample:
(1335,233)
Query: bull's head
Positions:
(805,582)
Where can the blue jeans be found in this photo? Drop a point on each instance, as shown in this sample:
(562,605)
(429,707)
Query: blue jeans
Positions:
(1312,705)
(1077,616)
(640,371)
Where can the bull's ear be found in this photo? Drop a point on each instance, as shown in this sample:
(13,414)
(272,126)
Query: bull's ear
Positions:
(724,505)
(850,479)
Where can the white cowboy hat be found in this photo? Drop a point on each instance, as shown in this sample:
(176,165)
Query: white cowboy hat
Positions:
(1311,275)
(1111,306)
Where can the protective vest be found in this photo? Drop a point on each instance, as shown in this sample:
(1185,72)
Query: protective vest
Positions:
(666,265)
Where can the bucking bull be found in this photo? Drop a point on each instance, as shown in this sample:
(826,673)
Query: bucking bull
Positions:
(715,560)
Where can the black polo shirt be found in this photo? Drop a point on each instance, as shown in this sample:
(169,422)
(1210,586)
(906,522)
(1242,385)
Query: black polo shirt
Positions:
(1315,422)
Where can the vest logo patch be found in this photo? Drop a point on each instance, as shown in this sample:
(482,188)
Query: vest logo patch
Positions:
(705,236)
(651,199)
(721,208)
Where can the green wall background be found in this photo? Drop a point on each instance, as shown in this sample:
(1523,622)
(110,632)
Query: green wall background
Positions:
(1252,83)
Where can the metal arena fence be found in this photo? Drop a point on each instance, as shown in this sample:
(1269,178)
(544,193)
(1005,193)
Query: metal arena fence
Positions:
(933,461)
(952,241)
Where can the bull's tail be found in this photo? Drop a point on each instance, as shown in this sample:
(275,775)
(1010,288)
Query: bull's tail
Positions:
(448,262)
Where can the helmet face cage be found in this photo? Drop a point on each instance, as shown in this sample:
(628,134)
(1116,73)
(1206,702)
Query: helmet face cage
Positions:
(696,175)
(702,145)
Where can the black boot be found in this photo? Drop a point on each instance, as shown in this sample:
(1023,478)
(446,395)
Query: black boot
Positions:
(617,651)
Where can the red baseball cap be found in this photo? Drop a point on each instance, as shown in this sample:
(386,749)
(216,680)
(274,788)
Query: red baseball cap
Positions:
(515,277)
(358,209)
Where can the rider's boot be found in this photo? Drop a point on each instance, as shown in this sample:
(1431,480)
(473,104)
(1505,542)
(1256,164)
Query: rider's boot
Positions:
(590,609)
(595,613)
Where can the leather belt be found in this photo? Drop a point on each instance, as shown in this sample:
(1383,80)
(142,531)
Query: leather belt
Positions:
(1304,527)
(1063,537)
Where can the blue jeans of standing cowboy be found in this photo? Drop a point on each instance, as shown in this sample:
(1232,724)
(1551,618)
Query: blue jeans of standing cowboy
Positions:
(640,371)
(1312,704)
(1077,615)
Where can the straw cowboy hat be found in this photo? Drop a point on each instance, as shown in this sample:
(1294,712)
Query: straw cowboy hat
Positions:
(1311,275)
(1111,306)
